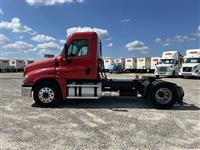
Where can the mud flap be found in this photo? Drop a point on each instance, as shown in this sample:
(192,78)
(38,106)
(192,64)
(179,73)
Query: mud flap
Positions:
(180,93)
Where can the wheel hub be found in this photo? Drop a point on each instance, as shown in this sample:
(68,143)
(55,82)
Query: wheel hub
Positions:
(163,95)
(46,95)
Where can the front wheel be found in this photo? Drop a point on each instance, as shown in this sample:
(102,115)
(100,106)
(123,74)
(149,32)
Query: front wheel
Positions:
(46,94)
(163,96)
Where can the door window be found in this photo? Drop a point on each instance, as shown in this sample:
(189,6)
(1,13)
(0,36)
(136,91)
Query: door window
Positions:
(78,48)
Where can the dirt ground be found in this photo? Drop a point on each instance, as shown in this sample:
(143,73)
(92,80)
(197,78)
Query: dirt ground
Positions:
(110,123)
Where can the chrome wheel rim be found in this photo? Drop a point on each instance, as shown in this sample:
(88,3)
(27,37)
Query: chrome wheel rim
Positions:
(46,95)
(163,95)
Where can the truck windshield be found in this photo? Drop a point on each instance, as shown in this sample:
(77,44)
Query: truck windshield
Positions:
(192,60)
(166,61)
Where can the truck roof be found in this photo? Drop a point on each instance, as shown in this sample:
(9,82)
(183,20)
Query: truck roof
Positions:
(170,54)
(193,53)
(83,33)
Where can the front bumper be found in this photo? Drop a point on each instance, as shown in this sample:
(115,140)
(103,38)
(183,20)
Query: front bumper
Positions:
(163,73)
(189,74)
(186,74)
(26,90)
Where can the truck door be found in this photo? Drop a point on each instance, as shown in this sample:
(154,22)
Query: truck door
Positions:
(78,64)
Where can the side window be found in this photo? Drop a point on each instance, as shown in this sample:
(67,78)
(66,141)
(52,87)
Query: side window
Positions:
(78,48)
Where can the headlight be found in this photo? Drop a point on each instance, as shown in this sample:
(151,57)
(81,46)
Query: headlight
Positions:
(25,79)
(195,67)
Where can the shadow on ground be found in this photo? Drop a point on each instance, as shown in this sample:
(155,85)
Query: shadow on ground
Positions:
(117,104)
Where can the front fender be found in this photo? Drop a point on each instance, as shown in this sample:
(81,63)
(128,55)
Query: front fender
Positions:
(36,75)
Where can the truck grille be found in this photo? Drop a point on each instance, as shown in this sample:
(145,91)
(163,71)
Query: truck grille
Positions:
(187,69)
(162,69)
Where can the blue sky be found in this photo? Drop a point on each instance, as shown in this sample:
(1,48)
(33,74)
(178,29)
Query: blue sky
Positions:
(137,28)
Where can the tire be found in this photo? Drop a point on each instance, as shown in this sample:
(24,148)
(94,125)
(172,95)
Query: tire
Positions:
(157,91)
(49,90)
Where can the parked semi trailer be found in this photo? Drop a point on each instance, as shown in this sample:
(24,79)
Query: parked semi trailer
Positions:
(130,64)
(191,65)
(169,64)
(17,64)
(144,64)
(74,76)
(4,65)
(154,62)
(27,62)
(120,61)
(107,63)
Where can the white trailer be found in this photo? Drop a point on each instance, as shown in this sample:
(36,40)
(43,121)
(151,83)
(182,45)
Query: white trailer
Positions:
(169,64)
(27,62)
(4,64)
(154,62)
(120,61)
(191,65)
(17,64)
(130,64)
(143,64)
(108,62)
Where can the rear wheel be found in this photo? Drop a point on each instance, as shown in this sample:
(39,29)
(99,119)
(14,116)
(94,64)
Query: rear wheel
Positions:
(163,96)
(47,94)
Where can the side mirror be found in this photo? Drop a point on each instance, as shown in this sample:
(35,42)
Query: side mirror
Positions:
(67,58)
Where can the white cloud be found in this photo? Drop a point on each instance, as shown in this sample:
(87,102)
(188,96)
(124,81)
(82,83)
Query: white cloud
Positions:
(51,2)
(46,47)
(125,20)
(109,39)
(158,40)
(197,33)
(21,37)
(4,40)
(166,44)
(109,44)
(198,29)
(62,41)
(19,46)
(102,33)
(1,12)
(144,52)
(42,38)
(136,45)
(16,26)
(183,38)
(168,40)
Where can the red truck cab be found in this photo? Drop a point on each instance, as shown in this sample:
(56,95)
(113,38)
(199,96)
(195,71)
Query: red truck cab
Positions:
(76,73)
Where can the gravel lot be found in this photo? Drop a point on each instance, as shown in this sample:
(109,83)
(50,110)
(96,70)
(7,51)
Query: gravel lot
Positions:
(111,123)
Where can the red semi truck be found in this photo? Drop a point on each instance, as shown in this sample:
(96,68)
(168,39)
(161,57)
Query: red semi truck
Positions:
(77,73)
